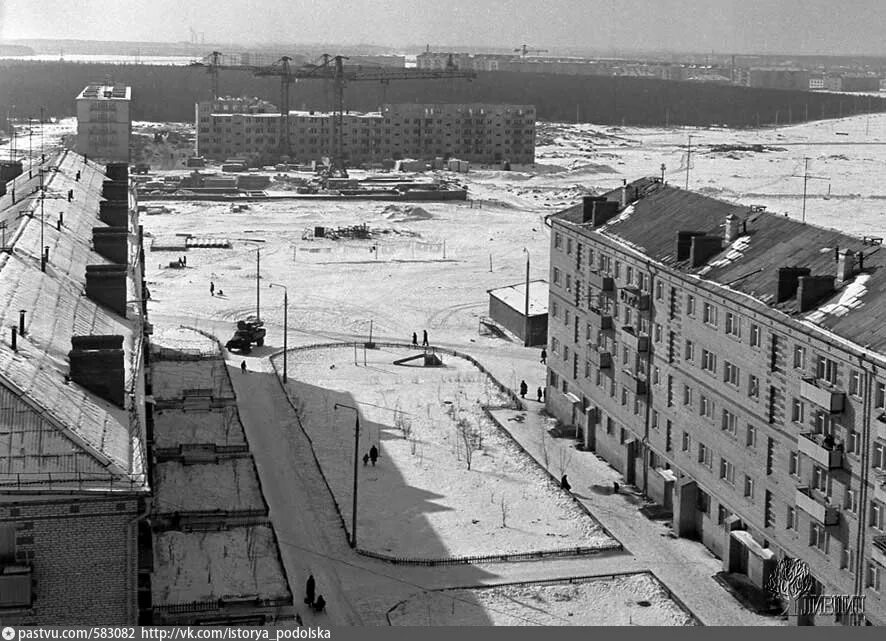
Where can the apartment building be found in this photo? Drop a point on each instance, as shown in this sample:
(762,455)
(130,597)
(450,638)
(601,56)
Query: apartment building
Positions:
(481,133)
(104,122)
(731,363)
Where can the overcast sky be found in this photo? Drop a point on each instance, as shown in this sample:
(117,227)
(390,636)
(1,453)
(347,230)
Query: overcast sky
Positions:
(723,26)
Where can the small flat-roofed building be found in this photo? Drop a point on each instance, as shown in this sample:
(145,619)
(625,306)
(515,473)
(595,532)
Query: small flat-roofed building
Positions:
(104,122)
(507,308)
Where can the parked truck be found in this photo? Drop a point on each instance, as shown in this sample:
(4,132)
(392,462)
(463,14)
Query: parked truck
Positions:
(249,330)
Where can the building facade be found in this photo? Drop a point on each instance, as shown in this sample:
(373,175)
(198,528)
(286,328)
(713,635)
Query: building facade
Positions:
(733,369)
(104,122)
(481,133)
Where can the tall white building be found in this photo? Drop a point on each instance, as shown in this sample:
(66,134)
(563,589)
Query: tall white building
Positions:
(104,122)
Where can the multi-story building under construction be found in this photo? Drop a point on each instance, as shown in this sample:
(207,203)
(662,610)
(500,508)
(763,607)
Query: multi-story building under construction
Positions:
(731,363)
(481,133)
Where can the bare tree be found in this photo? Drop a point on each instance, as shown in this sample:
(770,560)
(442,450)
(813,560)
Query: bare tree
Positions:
(564,458)
(468,434)
(505,509)
(544,444)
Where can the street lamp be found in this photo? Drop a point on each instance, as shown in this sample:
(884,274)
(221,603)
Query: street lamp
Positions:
(285,323)
(526,340)
(356,460)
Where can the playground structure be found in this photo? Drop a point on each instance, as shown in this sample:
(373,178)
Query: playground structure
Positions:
(488,327)
(431,359)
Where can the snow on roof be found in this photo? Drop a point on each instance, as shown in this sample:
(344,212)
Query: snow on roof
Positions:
(850,298)
(514,296)
(174,427)
(172,380)
(733,252)
(67,434)
(192,567)
(228,485)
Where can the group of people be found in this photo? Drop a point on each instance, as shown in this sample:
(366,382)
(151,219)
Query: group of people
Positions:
(318,604)
(424,340)
(541,394)
(212,290)
(371,456)
(182,261)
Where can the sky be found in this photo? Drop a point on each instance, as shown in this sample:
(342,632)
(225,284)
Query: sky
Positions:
(721,26)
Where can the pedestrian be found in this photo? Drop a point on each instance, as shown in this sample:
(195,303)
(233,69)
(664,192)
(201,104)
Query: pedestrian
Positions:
(365,459)
(414,338)
(424,340)
(373,454)
(211,288)
(185,261)
(298,619)
(615,487)
(320,605)
(523,389)
(544,394)
(564,484)
(310,586)
(544,355)
(243,367)
(539,393)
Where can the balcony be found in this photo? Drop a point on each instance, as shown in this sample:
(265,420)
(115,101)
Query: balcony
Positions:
(637,342)
(600,358)
(633,297)
(633,382)
(600,320)
(821,450)
(600,281)
(878,549)
(15,586)
(822,394)
(816,508)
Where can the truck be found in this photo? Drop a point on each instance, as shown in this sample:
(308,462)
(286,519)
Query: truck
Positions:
(249,330)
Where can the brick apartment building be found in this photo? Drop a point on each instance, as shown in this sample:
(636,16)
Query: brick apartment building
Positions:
(104,122)
(481,133)
(731,363)
(72,397)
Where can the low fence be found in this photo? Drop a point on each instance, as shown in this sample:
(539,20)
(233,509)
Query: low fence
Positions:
(494,558)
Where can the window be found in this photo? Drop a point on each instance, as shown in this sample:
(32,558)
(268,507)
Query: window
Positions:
(791,520)
(7,543)
(847,559)
(556,276)
(657,333)
(798,411)
(687,396)
(656,375)
(818,538)
(610,426)
(770,454)
(624,396)
(722,514)
(705,456)
(753,387)
(729,423)
(690,305)
(555,345)
(554,308)
(756,338)
(568,246)
(629,275)
(703,502)
(794,464)
(751,436)
(826,370)
(819,479)
(727,471)
(855,382)
(568,283)
(874,571)
(708,361)
(731,374)
(565,353)
(851,503)
(709,315)
(878,459)
(705,406)
(880,396)
(689,353)
(799,357)
(654,420)
(687,442)
(733,325)
(853,443)
(748,487)
(566,317)
(877,515)
(659,290)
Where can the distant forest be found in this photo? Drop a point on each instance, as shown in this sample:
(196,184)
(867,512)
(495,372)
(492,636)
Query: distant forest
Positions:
(166,93)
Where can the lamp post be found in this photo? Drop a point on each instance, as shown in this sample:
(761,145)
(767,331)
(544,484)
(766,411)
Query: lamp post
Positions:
(356,460)
(285,323)
(526,340)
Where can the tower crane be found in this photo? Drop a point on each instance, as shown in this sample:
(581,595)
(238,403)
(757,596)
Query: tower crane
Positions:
(524,49)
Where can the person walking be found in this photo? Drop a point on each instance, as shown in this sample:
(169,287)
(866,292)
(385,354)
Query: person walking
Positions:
(211,288)
(310,586)
(424,340)
(564,484)
(544,356)
(414,339)
(538,393)
(365,459)
(243,367)
(373,454)
(544,394)
(320,604)
(523,389)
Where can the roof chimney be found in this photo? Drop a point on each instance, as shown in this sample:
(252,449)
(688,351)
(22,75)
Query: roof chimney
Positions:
(788,282)
(112,243)
(97,363)
(845,266)
(624,193)
(21,321)
(14,338)
(812,289)
(106,285)
(732,227)
(114,212)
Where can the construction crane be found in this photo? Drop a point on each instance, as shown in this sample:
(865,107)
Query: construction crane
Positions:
(332,68)
(524,49)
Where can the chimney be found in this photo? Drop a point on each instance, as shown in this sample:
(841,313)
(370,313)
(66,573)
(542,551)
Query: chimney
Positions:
(14,338)
(624,193)
(704,247)
(732,227)
(61,219)
(114,212)
(115,190)
(97,363)
(117,171)
(861,261)
(21,321)
(684,243)
(106,285)
(845,266)
(112,243)
(788,282)
(813,289)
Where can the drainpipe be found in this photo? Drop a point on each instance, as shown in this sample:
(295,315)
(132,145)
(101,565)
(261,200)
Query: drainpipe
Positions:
(865,475)
(649,359)
(130,524)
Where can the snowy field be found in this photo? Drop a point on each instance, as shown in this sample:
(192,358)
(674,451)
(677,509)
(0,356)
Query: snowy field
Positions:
(634,599)
(422,500)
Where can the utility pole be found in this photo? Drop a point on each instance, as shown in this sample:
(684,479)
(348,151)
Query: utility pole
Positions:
(526,339)
(285,325)
(662,173)
(42,198)
(356,468)
(806,178)
(688,159)
(42,126)
(30,135)
(257,287)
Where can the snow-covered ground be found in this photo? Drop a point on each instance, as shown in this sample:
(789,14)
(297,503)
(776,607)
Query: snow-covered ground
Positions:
(421,500)
(632,599)
(228,485)
(175,427)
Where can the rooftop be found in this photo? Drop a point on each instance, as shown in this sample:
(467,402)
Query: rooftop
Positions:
(514,296)
(175,427)
(766,242)
(55,433)
(105,92)
(228,485)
